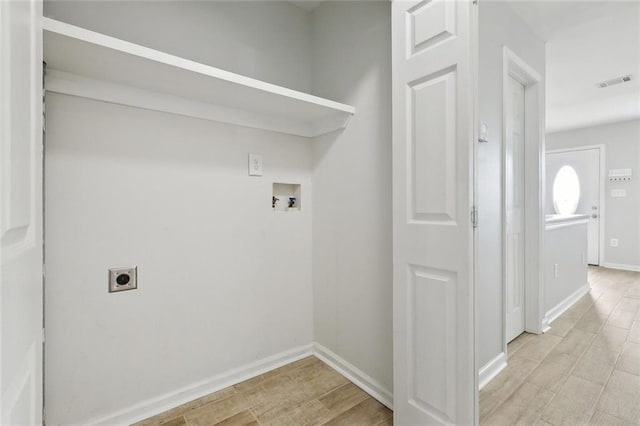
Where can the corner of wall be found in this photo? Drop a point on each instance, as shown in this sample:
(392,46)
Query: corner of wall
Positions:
(491,369)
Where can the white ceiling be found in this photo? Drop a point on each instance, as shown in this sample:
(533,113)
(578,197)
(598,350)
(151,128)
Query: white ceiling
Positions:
(308,5)
(587,42)
(311,5)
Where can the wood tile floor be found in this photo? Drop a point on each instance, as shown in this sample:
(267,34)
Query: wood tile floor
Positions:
(584,371)
(306,392)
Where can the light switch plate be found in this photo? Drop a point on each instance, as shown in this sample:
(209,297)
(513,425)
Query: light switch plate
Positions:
(121,279)
(618,193)
(255,165)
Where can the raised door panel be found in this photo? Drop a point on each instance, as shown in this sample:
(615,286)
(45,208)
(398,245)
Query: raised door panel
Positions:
(432,324)
(431,22)
(432,143)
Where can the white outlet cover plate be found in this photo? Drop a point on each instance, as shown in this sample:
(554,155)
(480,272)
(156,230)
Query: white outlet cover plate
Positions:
(618,193)
(255,165)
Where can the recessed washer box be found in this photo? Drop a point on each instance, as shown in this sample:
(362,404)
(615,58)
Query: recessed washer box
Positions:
(122,279)
(286,197)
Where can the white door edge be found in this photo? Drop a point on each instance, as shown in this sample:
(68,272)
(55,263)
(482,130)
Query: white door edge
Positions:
(21,217)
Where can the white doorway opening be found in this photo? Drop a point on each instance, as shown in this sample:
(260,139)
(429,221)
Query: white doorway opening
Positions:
(514,206)
(523,201)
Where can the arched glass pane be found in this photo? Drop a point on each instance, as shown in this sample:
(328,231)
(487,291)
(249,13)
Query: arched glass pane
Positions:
(566,191)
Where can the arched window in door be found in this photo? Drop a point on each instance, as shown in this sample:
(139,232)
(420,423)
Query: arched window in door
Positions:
(566,191)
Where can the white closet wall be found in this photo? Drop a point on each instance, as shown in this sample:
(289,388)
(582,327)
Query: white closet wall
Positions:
(352,234)
(223,280)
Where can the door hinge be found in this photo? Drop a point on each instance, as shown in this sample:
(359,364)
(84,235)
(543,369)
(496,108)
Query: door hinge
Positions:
(43,335)
(474,217)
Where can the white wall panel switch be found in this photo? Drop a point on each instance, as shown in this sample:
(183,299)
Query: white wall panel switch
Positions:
(618,193)
(255,165)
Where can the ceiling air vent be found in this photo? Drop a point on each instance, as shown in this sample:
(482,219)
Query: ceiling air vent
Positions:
(615,81)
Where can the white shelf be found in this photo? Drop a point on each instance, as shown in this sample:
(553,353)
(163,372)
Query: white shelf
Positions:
(92,65)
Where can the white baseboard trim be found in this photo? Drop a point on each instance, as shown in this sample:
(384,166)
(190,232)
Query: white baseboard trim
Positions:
(622,266)
(151,407)
(559,309)
(357,376)
(154,406)
(545,325)
(491,369)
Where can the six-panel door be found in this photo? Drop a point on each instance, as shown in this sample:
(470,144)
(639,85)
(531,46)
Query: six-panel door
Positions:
(434,373)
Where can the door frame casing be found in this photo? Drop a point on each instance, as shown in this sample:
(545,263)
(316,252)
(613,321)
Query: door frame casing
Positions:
(602,181)
(534,191)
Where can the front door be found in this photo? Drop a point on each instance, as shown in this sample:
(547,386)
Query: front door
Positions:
(586,163)
(435,381)
(21,212)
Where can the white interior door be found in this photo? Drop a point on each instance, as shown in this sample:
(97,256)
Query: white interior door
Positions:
(514,211)
(21,212)
(586,163)
(433,134)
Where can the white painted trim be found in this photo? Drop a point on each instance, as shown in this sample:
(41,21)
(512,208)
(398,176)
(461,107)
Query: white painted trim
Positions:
(492,369)
(104,91)
(603,184)
(153,406)
(568,223)
(561,307)
(160,404)
(622,266)
(545,325)
(357,376)
(475,61)
(513,65)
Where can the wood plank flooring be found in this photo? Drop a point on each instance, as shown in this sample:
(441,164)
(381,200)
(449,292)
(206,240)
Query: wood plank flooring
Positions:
(306,392)
(584,371)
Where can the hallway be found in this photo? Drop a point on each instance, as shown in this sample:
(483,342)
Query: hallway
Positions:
(584,370)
